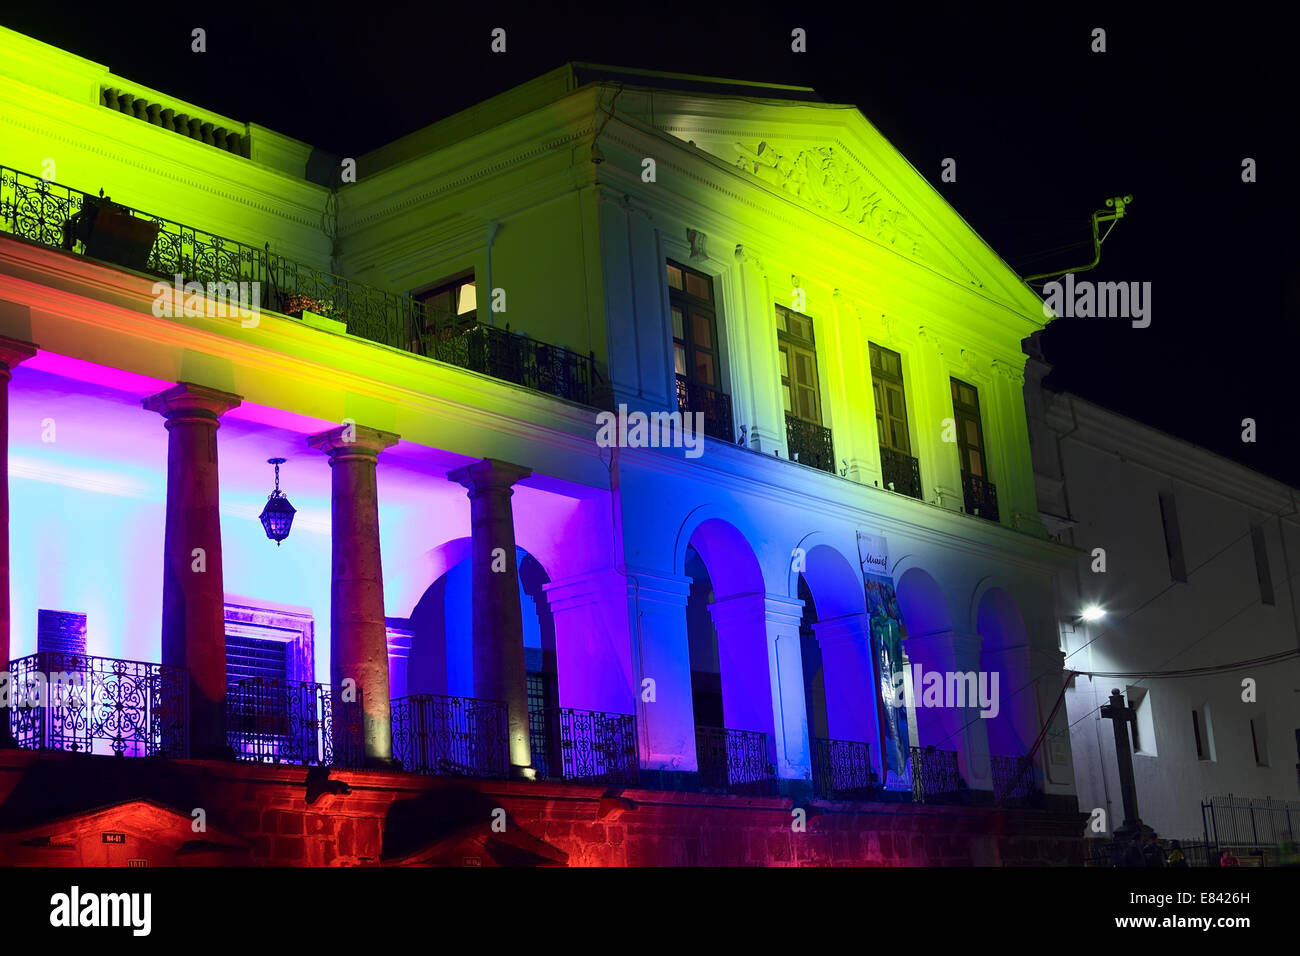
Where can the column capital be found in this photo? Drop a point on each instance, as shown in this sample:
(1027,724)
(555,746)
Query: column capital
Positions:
(488,476)
(353,441)
(14,352)
(189,401)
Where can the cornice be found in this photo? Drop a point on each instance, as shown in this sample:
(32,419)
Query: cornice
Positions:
(1181,461)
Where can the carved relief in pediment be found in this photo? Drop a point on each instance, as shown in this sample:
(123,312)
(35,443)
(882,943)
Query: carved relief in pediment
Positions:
(829,182)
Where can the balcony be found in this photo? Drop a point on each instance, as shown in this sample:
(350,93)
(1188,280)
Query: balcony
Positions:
(981,497)
(1013,782)
(60,217)
(99,705)
(583,746)
(450,736)
(735,761)
(900,472)
(936,777)
(715,406)
(293,722)
(841,769)
(809,443)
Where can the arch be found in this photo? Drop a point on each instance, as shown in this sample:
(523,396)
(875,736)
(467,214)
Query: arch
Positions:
(441,622)
(732,565)
(923,604)
(718,525)
(836,586)
(727,637)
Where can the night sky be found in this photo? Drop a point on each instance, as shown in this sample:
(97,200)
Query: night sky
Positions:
(1043,131)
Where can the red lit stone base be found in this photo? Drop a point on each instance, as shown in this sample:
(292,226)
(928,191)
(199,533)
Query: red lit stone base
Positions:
(73,810)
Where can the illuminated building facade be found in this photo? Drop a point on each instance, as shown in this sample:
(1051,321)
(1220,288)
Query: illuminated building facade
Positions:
(641,654)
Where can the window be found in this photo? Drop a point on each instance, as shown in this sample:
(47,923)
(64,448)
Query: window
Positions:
(1262,571)
(451,305)
(970,435)
(1142,729)
(695,327)
(891,405)
(799,389)
(1173,536)
(1203,732)
(1259,740)
(269,642)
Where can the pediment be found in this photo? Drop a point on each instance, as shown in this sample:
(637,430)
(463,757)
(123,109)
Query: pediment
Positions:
(829,178)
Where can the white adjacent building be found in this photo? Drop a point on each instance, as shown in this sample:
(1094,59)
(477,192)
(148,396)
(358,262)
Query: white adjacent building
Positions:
(1187,558)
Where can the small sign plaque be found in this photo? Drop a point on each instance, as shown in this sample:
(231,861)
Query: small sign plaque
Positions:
(113,837)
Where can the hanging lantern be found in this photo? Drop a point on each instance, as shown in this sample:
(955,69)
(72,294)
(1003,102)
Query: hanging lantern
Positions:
(278,514)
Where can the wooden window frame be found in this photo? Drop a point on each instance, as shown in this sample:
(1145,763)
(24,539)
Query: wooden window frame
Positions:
(693,306)
(963,412)
(787,342)
(880,379)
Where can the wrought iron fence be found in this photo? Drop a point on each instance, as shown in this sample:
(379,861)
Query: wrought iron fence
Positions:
(584,746)
(735,761)
(842,769)
(46,212)
(294,722)
(900,472)
(981,496)
(1111,853)
(810,443)
(936,777)
(99,705)
(1013,782)
(713,404)
(1250,823)
(450,736)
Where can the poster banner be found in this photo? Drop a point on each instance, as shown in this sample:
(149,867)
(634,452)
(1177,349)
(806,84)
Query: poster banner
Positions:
(887,634)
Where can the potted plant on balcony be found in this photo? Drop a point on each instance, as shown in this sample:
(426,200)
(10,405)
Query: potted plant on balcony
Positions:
(318,313)
(108,231)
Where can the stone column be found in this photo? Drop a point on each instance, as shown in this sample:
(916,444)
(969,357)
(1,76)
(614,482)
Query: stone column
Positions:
(762,675)
(499,669)
(12,353)
(194,600)
(850,681)
(656,607)
(358,636)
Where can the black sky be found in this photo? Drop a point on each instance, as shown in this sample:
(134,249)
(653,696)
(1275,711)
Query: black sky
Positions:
(1043,131)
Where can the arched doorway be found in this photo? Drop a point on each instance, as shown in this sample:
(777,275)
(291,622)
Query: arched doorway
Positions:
(731,686)
(839,681)
(439,726)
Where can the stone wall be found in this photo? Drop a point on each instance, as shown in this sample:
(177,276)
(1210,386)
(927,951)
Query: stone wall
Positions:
(56,808)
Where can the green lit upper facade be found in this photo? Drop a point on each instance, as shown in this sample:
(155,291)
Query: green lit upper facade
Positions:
(738,249)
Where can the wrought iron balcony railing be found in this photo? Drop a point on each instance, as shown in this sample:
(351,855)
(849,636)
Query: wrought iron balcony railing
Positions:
(810,443)
(900,472)
(936,777)
(842,769)
(584,746)
(1013,782)
(99,705)
(981,496)
(451,736)
(713,404)
(293,722)
(515,358)
(48,213)
(735,761)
